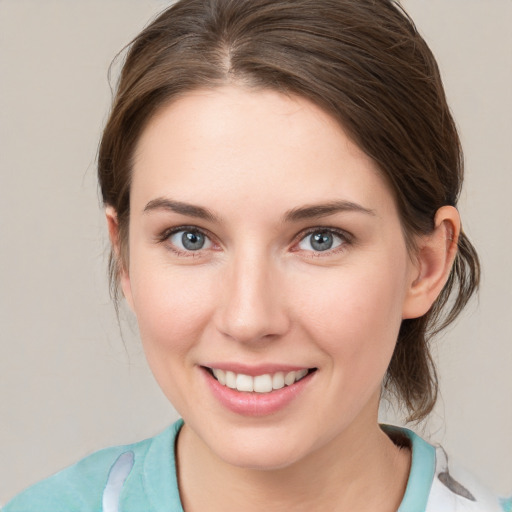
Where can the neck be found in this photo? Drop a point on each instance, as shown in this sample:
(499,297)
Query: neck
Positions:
(360,470)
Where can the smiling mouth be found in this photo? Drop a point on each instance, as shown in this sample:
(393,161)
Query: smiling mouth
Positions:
(265,383)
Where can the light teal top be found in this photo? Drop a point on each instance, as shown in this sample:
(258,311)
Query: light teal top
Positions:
(142,477)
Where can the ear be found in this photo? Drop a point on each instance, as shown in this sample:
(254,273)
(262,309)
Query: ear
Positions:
(434,259)
(123,274)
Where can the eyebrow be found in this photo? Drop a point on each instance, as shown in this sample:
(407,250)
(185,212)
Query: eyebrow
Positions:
(317,211)
(190,210)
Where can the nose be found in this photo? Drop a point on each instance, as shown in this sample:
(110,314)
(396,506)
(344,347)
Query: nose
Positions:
(252,306)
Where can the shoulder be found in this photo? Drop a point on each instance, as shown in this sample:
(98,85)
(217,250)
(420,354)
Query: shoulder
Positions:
(455,489)
(438,485)
(78,487)
(83,485)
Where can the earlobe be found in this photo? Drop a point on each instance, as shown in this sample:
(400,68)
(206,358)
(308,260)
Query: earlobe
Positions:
(122,272)
(434,259)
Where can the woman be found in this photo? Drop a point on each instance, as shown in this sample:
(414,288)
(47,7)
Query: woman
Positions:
(280,182)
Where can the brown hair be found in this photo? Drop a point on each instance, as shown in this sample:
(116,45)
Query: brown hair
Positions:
(365,64)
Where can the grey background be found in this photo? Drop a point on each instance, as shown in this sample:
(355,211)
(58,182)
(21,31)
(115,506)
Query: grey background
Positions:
(68,383)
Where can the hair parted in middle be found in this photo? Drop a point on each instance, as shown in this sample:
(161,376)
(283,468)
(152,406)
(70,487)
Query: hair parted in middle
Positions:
(361,61)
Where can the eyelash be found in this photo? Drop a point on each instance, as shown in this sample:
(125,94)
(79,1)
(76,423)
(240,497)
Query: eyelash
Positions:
(345,237)
(167,234)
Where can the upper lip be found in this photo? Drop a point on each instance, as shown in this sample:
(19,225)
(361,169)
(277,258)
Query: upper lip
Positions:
(255,370)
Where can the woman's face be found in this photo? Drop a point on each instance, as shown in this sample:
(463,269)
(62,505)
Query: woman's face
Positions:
(264,247)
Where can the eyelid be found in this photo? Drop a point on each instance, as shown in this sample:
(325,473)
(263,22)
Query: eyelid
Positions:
(346,237)
(166,234)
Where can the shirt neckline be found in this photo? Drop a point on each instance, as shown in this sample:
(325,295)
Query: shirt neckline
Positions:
(421,474)
(161,483)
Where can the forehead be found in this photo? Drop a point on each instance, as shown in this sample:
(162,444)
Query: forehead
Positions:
(253,145)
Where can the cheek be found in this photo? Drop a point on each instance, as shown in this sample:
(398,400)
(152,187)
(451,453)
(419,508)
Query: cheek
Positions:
(172,305)
(354,314)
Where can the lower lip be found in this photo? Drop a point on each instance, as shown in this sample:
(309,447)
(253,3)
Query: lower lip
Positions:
(255,404)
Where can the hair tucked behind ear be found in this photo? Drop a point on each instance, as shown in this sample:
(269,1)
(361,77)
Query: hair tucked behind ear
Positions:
(365,64)
(412,374)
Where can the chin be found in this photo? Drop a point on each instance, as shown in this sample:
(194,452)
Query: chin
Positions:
(261,459)
(260,448)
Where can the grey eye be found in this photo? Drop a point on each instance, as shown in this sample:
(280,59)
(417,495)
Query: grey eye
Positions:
(192,241)
(189,240)
(319,241)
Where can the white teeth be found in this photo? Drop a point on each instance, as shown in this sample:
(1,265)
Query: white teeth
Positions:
(290,378)
(220,375)
(261,383)
(244,382)
(278,380)
(231,380)
(301,374)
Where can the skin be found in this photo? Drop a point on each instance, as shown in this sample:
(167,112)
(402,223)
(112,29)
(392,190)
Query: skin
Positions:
(258,293)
